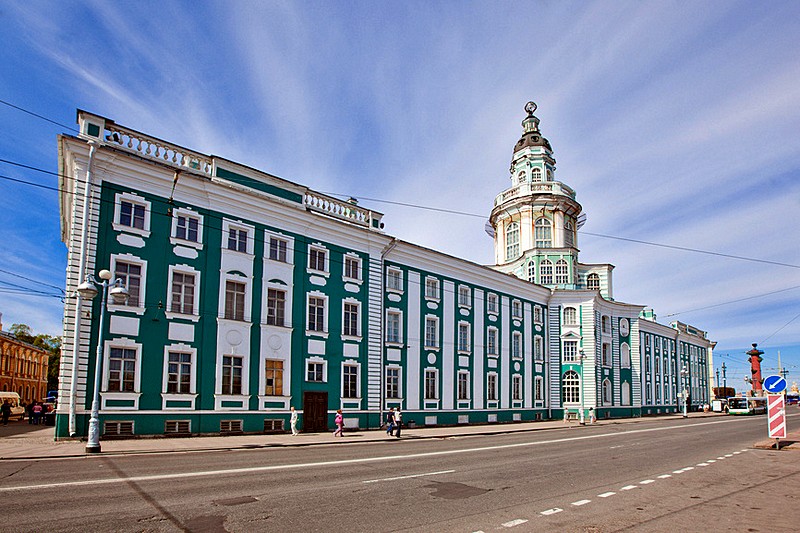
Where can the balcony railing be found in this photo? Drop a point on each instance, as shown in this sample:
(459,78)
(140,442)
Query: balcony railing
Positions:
(344,210)
(528,188)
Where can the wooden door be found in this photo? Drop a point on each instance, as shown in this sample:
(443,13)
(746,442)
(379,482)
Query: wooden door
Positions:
(315,411)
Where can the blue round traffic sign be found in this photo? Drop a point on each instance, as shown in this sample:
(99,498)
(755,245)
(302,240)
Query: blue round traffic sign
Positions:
(775,384)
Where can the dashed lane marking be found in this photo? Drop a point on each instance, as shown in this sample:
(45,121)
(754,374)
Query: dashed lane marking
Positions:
(606,494)
(701,464)
(513,523)
(554,510)
(736,453)
(664,476)
(647,481)
(711,460)
(628,487)
(728,455)
(688,468)
(581,502)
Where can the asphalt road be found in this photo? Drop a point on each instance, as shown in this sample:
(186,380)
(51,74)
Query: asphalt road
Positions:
(659,475)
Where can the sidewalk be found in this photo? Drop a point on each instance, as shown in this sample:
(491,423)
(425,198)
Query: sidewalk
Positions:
(19,440)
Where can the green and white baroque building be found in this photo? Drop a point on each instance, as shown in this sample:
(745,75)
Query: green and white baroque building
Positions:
(250,294)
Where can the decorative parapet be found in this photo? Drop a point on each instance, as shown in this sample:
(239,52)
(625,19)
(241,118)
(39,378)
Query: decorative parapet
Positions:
(142,145)
(344,210)
(528,188)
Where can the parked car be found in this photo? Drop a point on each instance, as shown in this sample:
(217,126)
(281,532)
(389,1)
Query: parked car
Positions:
(17,411)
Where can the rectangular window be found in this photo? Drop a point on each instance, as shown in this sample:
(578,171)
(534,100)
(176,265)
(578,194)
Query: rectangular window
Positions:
(431,385)
(179,373)
(276,307)
(538,352)
(537,314)
(606,354)
(182,293)
(234,300)
(491,387)
(315,371)
(350,319)
(491,341)
(516,389)
(463,337)
(273,377)
(516,345)
(394,279)
(121,370)
(277,249)
(350,381)
(491,303)
(392,382)
(231,374)
(516,309)
(237,240)
(131,276)
(187,228)
(316,259)
(463,385)
(352,267)
(431,332)
(570,351)
(393,327)
(464,296)
(131,214)
(316,313)
(538,389)
(432,288)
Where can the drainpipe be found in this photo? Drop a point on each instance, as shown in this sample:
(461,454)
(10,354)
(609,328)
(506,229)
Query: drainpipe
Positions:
(76,334)
(389,247)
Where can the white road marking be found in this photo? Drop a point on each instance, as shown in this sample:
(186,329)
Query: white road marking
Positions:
(681,471)
(647,481)
(628,487)
(581,502)
(341,462)
(409,477)
(720,458)
(736,453)
(512,523)
(711,461)
(664,476)
(554,510)
(728,455)
(606,494)
(701,464)
(688,468)
(744,450)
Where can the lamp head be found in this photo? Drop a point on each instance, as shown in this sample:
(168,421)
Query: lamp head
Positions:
(87,289)
(119,294)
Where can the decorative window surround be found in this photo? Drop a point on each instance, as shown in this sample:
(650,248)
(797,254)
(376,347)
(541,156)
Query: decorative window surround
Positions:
(353,269)
(183,269)
(134,200)
(187,215)
(238,226)
(278,247)
(131,259)
(122,396)
(318,256)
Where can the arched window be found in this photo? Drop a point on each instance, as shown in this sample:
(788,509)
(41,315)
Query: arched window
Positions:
(593,282)
(606,392)
(512,241)
(570,316)
(536,175)
(625,356)
(532,272)
(544,237)
(626,393)
(569,235)
(562,272)
(522,177)
(570,387)
(549,175)
(546,272)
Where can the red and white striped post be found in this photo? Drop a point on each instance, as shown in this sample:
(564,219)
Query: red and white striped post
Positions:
(776,418)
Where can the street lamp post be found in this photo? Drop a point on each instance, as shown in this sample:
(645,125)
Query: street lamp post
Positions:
(581,357)
(724,377)
(88,290)
(684,376)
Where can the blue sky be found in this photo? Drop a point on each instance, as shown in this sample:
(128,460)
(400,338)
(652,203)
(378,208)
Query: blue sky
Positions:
(675,122)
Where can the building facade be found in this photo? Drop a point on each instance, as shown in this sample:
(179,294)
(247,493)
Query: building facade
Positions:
(250,294)
(23,368)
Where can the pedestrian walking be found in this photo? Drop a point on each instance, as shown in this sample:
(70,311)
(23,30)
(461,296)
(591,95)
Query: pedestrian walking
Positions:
(29,412)
(339,421)
(398,422)
(37,413)
(5,410)
(293,422)
(592,417)
(390,421)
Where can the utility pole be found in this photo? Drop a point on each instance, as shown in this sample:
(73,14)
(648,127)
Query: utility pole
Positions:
(724,378)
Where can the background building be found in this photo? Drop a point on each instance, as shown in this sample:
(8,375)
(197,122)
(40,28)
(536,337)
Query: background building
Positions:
(23,368)
(250,294)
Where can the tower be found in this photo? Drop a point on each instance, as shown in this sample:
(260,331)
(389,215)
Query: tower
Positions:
(535,220)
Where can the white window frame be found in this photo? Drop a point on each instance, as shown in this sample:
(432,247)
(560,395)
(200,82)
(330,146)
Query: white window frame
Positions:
(357,304)
(608,393)
(325,314)
(546,278)
(357,366)
(516,345)
(315,361)
(399,370)
(346,260)
(538,389)
(432,288)
(241,280)
(492,341)
(464,296)
(141,263)
(538,348)
(570,316)
(625,355)
(492,303)
(435,321)
(537,315)
(228,225)
(125,344)
(491,387)
(569,356)
(532,271)
(273,235)
(435,373)
(516,387)
(396,313)
(326,262)
(187,213)
(606,355)
(286,310)
(512,245)
(464,343)
(394,280)
(135,199)
(592,279)
(180,396)
(516,309)
(184,269)
(561,272)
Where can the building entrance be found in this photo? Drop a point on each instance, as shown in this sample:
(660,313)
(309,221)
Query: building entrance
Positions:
(315,411)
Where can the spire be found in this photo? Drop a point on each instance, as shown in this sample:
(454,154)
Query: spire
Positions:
(531,136)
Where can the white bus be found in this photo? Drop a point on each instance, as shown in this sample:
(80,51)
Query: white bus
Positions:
(747,406)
